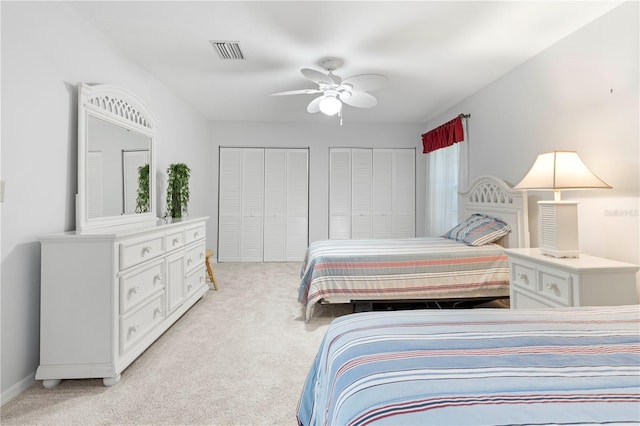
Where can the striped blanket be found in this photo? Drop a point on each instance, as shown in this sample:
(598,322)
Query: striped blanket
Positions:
(481,366)
(415,268)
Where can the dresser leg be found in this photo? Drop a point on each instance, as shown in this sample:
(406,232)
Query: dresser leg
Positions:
(50,383)
(110,381)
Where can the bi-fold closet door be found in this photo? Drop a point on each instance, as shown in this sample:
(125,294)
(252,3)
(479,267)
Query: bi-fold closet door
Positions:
(263,204)
(371,193)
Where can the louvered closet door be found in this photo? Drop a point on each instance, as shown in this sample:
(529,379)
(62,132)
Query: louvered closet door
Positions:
(264,199)
(297,205)
(403,203)
(251,235)
(275,210)
(340,193)
(383,193)
(375,187)
(230,204)
(361,186)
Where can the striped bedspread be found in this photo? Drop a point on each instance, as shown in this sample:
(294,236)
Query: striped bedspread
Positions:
(415,268)
(477,367)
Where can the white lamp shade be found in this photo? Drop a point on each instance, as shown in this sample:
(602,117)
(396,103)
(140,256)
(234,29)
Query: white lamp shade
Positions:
(330,105)
(560,170)
(558,220)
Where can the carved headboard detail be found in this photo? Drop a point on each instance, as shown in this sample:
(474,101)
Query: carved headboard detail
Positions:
(494,197)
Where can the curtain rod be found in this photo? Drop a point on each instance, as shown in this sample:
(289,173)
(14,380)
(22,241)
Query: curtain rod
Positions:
(464,115)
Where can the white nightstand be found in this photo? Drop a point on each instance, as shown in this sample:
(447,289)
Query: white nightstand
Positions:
(539,281)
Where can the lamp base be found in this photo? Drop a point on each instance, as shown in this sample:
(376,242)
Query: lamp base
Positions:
(558,221)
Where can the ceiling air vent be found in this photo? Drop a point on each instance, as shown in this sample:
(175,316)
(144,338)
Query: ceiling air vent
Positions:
(227,49)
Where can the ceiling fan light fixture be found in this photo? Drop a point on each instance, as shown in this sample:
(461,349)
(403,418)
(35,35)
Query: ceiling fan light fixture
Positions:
(330,105)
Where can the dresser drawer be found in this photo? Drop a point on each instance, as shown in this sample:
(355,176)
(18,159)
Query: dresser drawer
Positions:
(194,281)
(523,275)
(194,257)
(175,240)
(555,285)
(138,285)
(194,234)
(136,325)
(137,251)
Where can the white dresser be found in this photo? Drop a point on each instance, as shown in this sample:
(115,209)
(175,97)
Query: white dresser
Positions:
(107,294)
(539,281)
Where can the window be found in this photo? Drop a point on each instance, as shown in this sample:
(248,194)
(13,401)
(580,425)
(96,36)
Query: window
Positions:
(446,175)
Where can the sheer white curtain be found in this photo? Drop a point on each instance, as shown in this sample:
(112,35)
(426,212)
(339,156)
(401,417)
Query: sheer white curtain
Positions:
(447,173)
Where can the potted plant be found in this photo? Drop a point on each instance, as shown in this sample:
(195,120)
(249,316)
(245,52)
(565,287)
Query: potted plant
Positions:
(142,200)
(177,189)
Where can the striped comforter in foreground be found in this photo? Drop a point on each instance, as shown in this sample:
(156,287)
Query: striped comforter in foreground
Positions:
(480,366)
(415,268)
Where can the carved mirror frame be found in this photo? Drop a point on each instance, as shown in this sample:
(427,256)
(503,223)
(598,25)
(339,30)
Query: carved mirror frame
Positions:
(123,109)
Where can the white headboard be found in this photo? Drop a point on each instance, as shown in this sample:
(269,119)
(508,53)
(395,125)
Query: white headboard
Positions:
(492,196)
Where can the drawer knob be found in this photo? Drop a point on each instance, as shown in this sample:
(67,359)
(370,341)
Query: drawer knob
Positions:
(189,261)
(134,289)
(157,277)
(201,255)
(146,249)
(176,241)
(196,234)
(157,311)
(553,287)
(133,328)
(524,277)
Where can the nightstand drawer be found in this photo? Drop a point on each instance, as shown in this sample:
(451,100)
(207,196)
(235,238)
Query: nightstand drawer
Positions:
(523,275)
(556,286)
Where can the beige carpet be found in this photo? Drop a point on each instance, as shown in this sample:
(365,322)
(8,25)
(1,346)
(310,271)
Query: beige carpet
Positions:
(238,357)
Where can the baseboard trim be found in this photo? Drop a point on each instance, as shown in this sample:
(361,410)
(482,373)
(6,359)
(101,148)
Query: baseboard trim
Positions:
(17,389)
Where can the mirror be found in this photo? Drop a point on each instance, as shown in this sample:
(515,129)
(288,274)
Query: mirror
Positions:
(115,155)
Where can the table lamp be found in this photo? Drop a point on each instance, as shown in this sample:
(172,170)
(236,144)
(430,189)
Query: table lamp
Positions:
(558,220)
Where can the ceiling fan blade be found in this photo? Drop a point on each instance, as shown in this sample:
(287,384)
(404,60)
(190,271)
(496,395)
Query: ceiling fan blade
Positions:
(367,82)
(314,105)
(317,76)
(360,100)
(296,92)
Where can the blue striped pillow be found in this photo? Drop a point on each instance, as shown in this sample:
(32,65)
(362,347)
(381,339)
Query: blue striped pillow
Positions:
(478,230)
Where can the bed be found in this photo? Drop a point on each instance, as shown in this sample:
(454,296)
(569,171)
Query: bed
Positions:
(480,366)
(348,271)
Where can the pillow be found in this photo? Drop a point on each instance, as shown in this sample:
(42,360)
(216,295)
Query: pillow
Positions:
(478,230)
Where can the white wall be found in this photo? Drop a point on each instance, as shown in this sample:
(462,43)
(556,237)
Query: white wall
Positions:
(46,50)
(317,137)
(580,94)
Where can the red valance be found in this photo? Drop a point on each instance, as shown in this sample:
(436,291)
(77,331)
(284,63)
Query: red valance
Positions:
(443,136)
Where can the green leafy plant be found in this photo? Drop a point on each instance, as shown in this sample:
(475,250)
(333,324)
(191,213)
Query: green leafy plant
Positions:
(142,200)
(177,189)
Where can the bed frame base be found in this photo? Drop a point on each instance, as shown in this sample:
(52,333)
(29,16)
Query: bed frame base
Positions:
(397,305)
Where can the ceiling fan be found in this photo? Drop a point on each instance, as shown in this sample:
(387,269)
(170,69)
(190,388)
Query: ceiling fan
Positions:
(334,90)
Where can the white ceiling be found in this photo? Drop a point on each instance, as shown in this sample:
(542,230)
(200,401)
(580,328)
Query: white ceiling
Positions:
(435,53)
